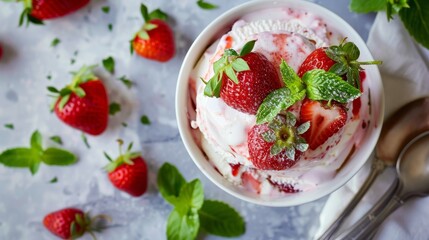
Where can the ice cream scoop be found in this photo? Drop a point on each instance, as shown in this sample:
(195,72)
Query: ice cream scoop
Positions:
(405,124)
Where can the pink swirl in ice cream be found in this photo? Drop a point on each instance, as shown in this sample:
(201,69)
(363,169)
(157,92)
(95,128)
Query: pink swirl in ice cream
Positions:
(282,34)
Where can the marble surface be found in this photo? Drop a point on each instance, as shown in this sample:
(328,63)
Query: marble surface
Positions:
(85,39)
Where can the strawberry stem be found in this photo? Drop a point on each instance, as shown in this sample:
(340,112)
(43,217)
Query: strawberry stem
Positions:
(376,62)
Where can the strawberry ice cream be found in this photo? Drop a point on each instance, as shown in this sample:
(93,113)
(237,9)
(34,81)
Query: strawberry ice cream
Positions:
(223,132)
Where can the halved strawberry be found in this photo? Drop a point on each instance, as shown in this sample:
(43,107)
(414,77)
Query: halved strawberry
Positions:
(273,146)
(84,103)
(37,10)
(243,80)
(324,120)
(155,40)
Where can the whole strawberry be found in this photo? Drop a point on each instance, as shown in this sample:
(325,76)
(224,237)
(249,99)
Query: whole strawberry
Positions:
(83,104)
(155,40)
(243,80)
(325,120)
(70,223)
(341,60)
(35,11)
(128,172)
(278,144)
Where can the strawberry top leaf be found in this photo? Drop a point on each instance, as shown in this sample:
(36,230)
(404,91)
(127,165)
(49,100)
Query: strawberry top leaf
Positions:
(26,15)
(124,158)
(230,63)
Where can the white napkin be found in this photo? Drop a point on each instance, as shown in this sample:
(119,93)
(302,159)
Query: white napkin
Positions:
(405,73)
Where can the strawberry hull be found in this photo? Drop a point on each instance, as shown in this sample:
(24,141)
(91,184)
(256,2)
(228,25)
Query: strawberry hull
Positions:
(222,132)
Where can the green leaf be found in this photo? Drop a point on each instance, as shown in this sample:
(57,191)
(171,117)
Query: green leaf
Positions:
(365,6)
(18,157)
(240,65)
(85,141)
(80,92)
(158,14)
(114,108)
(205,5)
(36,141)
(53,89)
(149,26)
(53,180)
(275,102)
(416,20)
(192,194)
(220,219)
(55,42)
(247,48)
(303,128)
(269,136)
(351,50)
(170,181)
(144,12)
(34,20)
(9,125)
(277,147)
(339,69)
(212,88)
(230,52)
(110,27)
(182,227)
(231,74)
(105,9)
(64,101)
(128,83)
(290,78)
(34,166)
(322,85)
(58,157)
(109,64)
(145,120)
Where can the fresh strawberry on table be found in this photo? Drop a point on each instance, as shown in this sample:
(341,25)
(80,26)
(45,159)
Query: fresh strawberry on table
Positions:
(278,144)
(341,60)
(155,40)
(128,172)
(243,80)
(71,223)
(35,11)
(83,104)
(324,120)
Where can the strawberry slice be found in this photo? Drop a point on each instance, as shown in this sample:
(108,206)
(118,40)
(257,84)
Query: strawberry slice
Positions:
(250,183)
(324,120)
(316,60)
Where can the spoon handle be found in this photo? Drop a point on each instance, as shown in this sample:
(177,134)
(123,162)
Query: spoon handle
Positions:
(376,168)
(366,226)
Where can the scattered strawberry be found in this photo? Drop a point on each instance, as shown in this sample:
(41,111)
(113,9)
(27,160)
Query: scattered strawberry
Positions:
(341,60)
(324,120)
(287,188)
(128,172)
(235,169)
(83,104)
(71,223)
(273,146)
(243,81)
(155,40)
(37,10)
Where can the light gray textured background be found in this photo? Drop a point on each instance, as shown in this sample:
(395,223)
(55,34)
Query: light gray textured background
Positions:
(29,59)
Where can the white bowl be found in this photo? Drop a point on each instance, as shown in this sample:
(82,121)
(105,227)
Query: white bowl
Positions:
(221,26)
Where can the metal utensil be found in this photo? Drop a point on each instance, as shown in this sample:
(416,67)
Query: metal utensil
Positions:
(406,123)
(413,180)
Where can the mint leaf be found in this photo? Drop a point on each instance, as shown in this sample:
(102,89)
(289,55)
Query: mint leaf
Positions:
(158,14)
(128,83)
(105,9)
(192,194)
(85,141)
(322,85)
(183,227)
(53,180)
(247,48)
(110,27)
(55,42)
(275,102)
(18,157)
(170,181)
(109,64)
(145,120)
(205,5)
(416,20)
(9,126)
(220,219)
(290,78)
(57,139)
(58,157)
(365,6)
(36,141)
(114,108)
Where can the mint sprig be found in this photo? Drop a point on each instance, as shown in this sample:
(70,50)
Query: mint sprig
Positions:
(413,13)
(230,64)
(206,5)
(23,157)
(191,211)
(316,84)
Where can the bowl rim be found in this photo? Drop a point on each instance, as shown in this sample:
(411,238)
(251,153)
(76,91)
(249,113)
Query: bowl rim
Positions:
(198,48)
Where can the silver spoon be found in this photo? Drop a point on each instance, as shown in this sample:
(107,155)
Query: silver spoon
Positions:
(406,123)
(413,181)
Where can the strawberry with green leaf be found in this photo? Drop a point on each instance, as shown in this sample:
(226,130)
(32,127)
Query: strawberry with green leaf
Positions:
(72,223)
(155,40)
(243,80)
(32,157)
(35,11)
(83,104)
(128,172)
(341,60)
